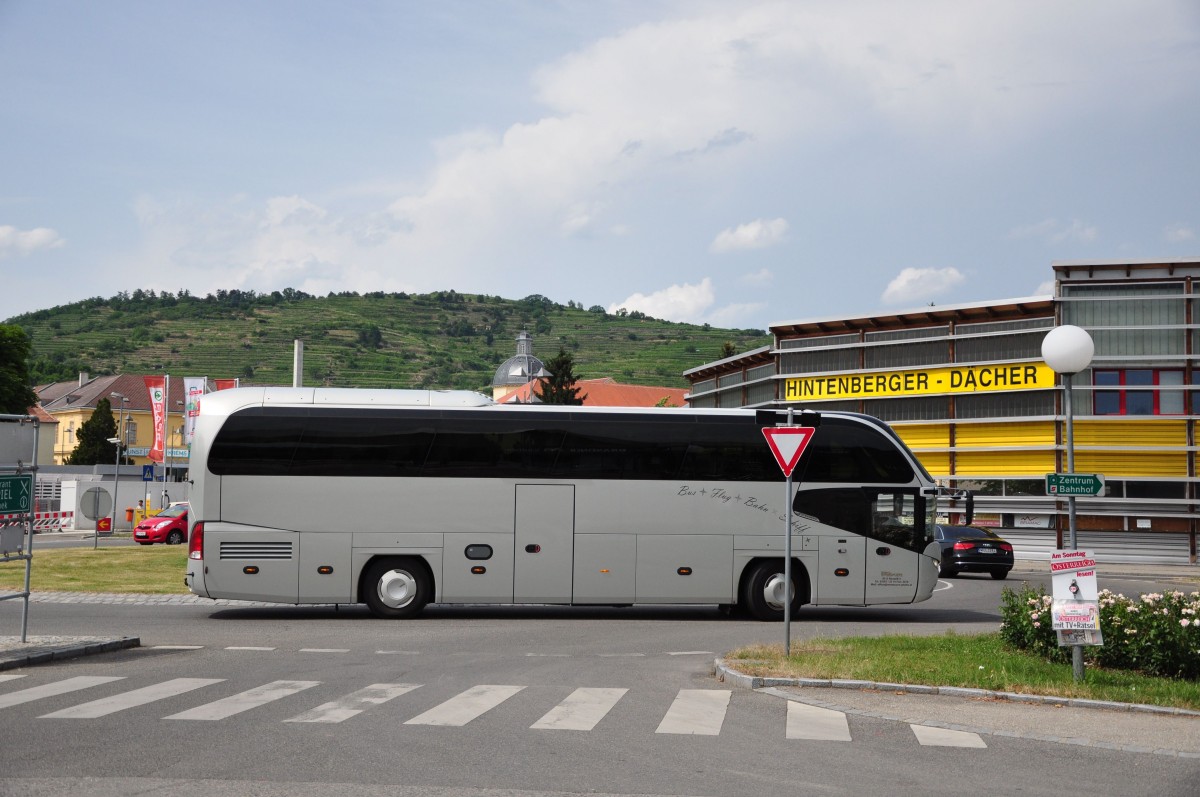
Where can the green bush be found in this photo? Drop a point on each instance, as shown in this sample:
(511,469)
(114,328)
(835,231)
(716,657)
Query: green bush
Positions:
(1157,634)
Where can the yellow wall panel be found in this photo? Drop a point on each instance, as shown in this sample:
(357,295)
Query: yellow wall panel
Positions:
(1005,463)
(1131,463)
(1009,435)
(936,462)
(935,435)
(1131,433)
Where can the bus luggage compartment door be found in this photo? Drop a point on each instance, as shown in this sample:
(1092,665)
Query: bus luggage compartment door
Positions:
(545,533)
(841,570)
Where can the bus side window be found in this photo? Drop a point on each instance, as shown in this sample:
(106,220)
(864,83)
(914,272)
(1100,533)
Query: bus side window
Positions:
(847,508)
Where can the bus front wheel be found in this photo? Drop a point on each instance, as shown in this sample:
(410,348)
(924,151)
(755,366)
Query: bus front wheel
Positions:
(763,590)
(396,588)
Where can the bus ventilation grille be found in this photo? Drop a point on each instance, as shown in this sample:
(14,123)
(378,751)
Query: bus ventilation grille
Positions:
(256,550)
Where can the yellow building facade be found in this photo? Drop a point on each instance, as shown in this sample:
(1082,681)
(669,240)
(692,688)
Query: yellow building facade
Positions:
(967,389)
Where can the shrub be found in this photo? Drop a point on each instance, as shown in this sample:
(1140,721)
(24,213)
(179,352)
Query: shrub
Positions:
(1157,634)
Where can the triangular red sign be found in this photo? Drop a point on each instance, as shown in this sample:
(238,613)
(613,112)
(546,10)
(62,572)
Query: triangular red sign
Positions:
(787,443)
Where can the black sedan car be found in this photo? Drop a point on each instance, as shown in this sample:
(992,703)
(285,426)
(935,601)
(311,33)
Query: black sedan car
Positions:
(971,549)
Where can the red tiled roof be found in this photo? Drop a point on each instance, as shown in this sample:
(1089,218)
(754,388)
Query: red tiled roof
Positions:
(608,393)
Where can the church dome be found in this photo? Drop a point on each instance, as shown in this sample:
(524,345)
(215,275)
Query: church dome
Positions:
(522,367)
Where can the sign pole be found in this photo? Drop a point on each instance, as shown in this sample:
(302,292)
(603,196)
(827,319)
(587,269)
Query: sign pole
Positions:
(787,561)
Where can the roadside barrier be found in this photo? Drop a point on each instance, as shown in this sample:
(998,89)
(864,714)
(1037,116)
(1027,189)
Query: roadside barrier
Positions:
(43,521)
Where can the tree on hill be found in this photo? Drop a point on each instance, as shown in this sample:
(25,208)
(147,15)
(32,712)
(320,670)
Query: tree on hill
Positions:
(559,387)
(93,447)
(16,396)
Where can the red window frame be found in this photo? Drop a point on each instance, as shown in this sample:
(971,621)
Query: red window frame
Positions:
(1122,393)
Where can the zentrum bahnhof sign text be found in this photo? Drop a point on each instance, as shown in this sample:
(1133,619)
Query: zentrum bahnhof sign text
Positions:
(952,379)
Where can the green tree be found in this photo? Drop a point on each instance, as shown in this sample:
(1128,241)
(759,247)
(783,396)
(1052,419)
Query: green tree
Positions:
(559,387)
(93,447)
(16,396)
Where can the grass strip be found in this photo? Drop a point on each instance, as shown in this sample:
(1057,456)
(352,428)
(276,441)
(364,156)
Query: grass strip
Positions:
(978,661)
(154,569)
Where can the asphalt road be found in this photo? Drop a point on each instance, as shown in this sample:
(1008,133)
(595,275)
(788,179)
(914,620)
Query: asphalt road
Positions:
(255,673)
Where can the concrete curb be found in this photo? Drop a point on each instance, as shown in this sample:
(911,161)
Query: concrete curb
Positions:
(727,674)
(42,650)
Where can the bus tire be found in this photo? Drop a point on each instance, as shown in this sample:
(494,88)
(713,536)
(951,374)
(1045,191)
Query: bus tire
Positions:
(396,588)
(764,580)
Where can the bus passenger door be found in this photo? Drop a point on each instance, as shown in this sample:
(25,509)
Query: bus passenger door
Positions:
(841,570)
(545,533)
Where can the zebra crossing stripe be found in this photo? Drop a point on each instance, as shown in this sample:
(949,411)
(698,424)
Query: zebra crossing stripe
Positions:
(56,688)
(138,697)
(944,737)
(582,709)
(354,703)
(244,701)
(466,706)
(815,723)
(4,678)
(699,712)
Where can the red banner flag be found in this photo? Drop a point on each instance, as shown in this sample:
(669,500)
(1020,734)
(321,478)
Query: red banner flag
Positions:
(157,385)
(225,384)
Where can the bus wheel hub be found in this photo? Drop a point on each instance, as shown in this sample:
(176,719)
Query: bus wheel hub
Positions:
(775,591)
(397,588)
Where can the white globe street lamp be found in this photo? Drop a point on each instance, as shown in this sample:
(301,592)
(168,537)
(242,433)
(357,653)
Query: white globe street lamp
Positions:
(1068,350)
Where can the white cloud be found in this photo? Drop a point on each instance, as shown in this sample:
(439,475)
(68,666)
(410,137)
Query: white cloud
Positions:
(692,304)
(676,303)
(757,234)
(1178,233)
(25,242)
(921,284)
(763,276)
(1055,231)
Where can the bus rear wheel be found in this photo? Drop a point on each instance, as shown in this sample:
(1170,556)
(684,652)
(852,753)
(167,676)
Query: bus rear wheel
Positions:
(396,588)
(763,590)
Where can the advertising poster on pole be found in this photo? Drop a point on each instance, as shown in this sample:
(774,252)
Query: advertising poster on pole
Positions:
(193,389)
(157,386)
(1075,610)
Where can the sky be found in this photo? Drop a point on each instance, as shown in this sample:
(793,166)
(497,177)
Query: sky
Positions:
(733,163)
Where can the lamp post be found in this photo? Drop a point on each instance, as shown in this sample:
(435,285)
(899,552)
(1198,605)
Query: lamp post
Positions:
(1068,350)
(116,465)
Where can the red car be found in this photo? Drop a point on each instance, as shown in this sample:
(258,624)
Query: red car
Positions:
(169,526)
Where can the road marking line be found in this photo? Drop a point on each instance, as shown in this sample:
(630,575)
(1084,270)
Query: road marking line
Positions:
(815,723)
(56,688)
(346,707)
(138,697)
(177,647)
(549,655)
(247,647)
(582,709)
(944,737)
(698,712)
(622,655)
(244,701)
(10,677)
(397,652)
(690,653)
(324,650)
(466,706)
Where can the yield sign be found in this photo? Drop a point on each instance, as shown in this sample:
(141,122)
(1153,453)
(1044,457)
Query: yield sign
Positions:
(787,443)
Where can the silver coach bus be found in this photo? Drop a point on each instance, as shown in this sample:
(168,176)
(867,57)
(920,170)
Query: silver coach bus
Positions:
(400,498)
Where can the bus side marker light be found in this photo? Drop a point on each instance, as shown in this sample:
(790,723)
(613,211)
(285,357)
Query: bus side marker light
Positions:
(841,571)
(325,570)
(684,571)
(250,570)
(479,570)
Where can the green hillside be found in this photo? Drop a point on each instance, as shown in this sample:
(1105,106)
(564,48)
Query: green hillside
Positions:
(438,340)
